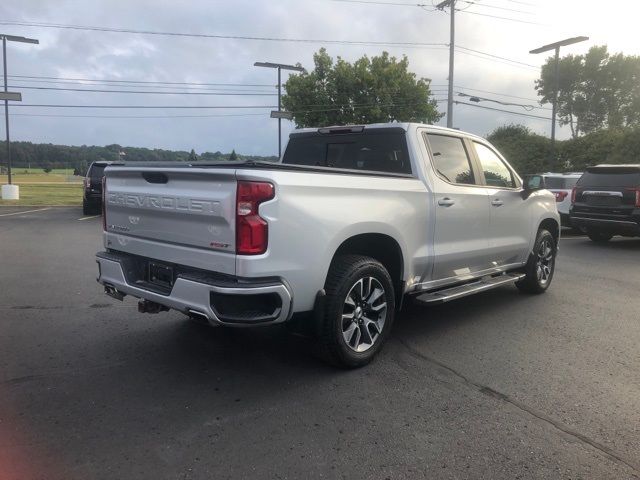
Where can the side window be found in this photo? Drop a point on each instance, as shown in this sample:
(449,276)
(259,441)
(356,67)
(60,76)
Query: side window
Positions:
(496,173)
(450,159)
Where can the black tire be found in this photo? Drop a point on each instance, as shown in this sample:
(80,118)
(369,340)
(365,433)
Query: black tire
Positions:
(86,207)
(538,278)
(356,287)
(599,236)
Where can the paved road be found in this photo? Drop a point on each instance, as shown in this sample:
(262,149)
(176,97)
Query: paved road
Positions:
(496,386)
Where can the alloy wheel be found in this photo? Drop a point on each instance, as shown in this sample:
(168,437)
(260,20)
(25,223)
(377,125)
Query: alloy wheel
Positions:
(544,263)
(364,314)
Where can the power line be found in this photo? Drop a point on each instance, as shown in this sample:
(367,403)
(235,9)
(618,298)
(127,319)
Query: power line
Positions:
(146,91)
(496,93)
(48,105)
(502,18)
(54,115)
(225,37)
(332,107)
(484,5)
(377,2)
(105,80)
(497,57)
(503,111)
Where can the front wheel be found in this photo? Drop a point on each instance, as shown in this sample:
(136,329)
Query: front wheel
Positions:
(358,311)
(541,264)
(599,236)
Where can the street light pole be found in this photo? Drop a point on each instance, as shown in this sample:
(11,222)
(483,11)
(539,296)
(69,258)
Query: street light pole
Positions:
(452,41)
(556,86)
(279,110)
(279,115)
(6,107)
(6,96)
(554,106)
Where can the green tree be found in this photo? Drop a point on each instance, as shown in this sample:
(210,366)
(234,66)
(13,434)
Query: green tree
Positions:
(233,156)
(596,90)
(193,157)
(376,89)
(527,152)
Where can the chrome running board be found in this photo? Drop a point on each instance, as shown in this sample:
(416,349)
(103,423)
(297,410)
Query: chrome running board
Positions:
(459,291)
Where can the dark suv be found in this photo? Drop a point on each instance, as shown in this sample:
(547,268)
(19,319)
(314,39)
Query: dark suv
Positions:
(606,202)
(92,198)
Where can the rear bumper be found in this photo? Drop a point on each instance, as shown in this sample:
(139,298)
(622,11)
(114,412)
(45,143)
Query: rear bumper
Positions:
(619,227)
(228,301)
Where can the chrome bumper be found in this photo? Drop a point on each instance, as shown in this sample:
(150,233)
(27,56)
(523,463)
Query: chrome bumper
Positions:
(192,297)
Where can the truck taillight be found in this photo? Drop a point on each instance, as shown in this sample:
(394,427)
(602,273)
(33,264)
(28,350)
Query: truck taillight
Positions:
(637,192)
(252,231)
(573,195)
(104,203)
(87,182)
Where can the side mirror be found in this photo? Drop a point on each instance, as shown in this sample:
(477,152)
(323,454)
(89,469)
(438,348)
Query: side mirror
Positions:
(531,184)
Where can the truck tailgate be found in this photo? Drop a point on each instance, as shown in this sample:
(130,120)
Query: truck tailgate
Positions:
(150,210)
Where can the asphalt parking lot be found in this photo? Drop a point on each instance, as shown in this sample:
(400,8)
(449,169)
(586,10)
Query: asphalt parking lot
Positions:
(500,385)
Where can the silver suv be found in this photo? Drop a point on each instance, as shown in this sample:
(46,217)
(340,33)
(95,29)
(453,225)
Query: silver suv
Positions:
(333,237)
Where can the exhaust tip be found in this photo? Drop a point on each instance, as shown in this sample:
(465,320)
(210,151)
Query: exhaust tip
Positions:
(113,292)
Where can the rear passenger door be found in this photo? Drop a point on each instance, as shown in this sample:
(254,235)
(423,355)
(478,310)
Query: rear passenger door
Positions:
(461,209)
(509,224)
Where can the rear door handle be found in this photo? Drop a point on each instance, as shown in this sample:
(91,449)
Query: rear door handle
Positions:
(445,202)
(497,202)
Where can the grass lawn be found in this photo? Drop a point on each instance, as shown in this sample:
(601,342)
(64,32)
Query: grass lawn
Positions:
(40,171)
(60,194)
(38,177)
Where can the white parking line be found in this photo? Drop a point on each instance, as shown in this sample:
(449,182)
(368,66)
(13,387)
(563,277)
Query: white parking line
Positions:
(26,211)
(87,218)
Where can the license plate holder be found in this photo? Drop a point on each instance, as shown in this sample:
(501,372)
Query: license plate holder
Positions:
(160,274)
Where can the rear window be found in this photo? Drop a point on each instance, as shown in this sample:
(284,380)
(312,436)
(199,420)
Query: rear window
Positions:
(96,171)
(377,151)
(560,183)
(609,179)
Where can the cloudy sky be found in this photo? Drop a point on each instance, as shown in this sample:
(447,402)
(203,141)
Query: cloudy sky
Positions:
(225,65)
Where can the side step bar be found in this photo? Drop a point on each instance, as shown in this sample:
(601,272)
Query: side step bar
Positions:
(452,293)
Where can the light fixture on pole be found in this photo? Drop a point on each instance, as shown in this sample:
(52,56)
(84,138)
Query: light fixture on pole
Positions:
(10,192)
(545,48)
(277,114)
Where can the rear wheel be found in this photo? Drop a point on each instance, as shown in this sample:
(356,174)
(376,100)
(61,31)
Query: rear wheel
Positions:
(541,264)
(358,311)
(599,236)
(86,207)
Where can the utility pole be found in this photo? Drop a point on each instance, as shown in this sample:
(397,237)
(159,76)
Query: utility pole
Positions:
(452,40)
(8,191)
(556,86)
(279,114)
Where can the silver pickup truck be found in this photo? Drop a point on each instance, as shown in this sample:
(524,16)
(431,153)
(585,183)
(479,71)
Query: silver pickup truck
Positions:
(333,237)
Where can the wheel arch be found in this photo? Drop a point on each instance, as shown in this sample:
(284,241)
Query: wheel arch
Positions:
(552,226)
(383,248)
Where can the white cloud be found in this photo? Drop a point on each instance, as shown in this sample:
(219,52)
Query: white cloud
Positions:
(77,53)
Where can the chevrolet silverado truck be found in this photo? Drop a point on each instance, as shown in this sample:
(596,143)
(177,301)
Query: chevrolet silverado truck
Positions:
(336,234)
